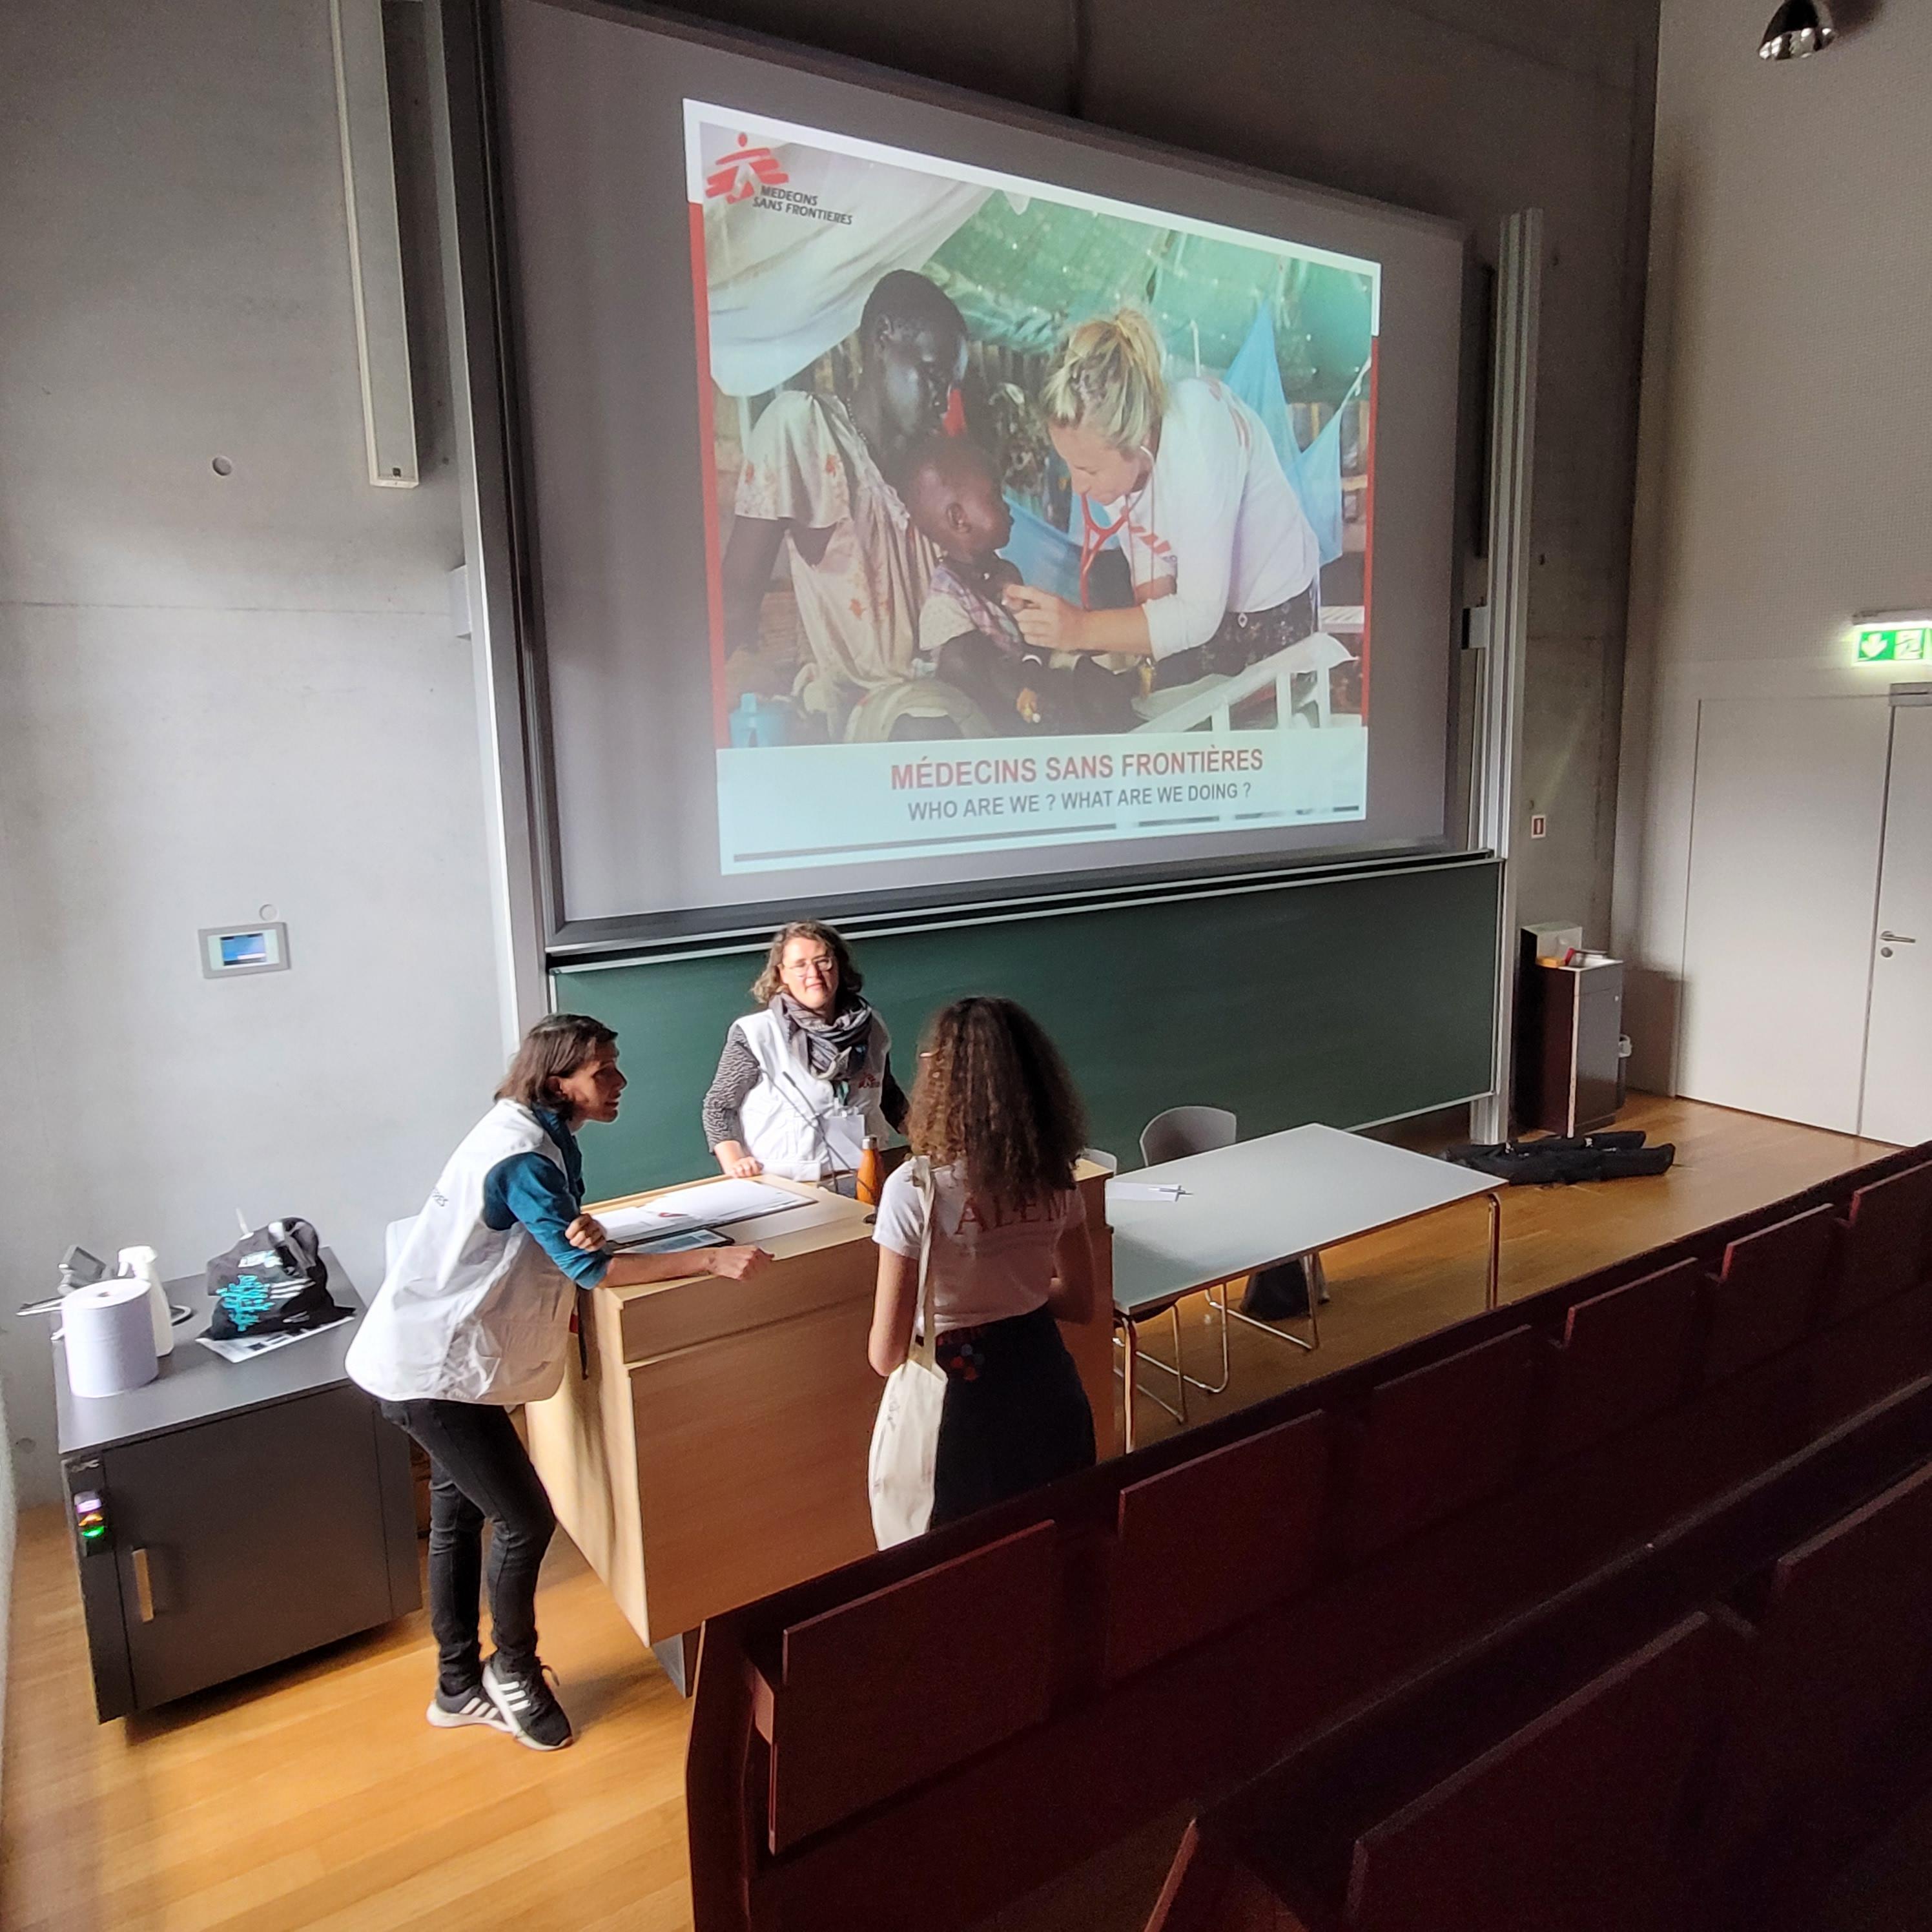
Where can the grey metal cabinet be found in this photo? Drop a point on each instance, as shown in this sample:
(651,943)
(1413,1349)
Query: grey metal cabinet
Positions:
(230,1515)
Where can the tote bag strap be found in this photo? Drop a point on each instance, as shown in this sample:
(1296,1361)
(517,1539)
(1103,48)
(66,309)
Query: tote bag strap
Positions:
(925,1348)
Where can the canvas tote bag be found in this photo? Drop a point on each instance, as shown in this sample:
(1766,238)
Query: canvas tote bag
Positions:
(905,1438)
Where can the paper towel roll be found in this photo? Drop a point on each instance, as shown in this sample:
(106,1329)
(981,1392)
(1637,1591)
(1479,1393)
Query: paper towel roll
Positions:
(110,1338)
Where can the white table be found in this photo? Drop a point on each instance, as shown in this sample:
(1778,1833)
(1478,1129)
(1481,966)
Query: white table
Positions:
(1257,1202)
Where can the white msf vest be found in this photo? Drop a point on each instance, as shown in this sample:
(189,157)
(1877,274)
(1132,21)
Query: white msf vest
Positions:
(466,1314)
(794,1121)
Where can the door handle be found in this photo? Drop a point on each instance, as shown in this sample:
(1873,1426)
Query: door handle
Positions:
(144,1587)
(1896,939)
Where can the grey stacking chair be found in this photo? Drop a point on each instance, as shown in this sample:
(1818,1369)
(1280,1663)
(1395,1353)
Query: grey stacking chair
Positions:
(1172,1135)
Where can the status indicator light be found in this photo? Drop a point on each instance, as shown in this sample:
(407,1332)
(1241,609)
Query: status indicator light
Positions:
(90,1516)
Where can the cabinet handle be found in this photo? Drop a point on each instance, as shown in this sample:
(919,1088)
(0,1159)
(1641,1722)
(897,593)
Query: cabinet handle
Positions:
(144,1587)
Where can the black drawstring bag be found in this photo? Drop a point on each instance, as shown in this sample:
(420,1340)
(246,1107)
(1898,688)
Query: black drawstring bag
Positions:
(1555,1161)
(272,1282)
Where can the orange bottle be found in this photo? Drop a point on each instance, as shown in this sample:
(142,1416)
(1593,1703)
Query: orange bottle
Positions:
(871,1172)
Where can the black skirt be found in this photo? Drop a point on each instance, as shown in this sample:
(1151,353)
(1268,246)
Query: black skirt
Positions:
(1015,1415)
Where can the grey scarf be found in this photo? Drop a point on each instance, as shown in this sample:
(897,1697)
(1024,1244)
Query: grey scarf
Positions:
(834,1043)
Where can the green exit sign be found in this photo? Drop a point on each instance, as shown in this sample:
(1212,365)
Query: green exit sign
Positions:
(1894,639)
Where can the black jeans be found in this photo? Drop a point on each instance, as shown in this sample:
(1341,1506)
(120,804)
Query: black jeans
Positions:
(479,1469)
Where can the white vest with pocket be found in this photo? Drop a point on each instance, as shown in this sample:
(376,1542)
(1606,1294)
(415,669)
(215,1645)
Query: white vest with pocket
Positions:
(795,1122)
(467,1313)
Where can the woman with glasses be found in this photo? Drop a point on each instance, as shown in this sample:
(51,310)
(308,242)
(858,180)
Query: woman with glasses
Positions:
(806,1080)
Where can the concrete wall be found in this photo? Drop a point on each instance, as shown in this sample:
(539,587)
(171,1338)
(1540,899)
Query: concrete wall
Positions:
(220,693)
(1785,471)
(216,694)
(1469,109)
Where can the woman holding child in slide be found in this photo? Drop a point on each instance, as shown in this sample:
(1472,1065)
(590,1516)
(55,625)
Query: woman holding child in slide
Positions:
(1223,561)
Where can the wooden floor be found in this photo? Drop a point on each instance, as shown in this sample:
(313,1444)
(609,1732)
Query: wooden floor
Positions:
(316,1796)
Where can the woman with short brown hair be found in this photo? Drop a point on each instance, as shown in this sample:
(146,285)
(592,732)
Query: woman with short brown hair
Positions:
(995,1114)
(472,1319)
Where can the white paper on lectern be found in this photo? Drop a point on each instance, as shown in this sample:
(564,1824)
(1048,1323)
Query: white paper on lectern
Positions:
(1144,1190)
(713,1204)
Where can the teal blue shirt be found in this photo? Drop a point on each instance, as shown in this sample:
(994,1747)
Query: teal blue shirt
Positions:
(532,1188)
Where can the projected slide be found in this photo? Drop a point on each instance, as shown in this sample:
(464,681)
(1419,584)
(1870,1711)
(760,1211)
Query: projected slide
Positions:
(1034,519)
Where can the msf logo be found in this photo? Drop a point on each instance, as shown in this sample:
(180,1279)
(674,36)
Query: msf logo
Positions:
(743,172)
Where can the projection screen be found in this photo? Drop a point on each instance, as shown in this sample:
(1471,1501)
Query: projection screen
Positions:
(921,496)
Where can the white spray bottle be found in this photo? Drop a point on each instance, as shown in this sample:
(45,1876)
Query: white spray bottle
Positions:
(141,1262)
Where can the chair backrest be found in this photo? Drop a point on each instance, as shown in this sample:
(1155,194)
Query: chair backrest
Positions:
(1624,1356)
(1181,1131)
(882,1692)
(1843,1649)
(1440,1439)
(1572,1821)
(1883,1250)
(1211,1541)
(1762,1300)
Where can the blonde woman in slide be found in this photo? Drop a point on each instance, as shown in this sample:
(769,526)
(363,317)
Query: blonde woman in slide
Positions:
(1223,561)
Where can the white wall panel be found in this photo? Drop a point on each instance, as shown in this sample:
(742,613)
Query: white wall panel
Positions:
(1789,815)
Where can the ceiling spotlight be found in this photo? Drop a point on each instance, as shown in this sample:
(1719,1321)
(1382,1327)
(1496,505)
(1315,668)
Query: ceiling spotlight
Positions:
(1799,27)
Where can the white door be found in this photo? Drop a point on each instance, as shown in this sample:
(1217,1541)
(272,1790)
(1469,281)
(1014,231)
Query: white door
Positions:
(1787,811)
(1898,1049)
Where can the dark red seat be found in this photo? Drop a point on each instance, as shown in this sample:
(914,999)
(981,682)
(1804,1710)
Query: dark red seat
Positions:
(1762,1300)
(1209,1542)
(1439,1439)
(880,1693)
(1843,1646)
(1571,1823)
(1882,1247)
(1624,1355)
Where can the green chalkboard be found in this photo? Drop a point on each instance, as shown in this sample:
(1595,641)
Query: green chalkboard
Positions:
(1344,1000)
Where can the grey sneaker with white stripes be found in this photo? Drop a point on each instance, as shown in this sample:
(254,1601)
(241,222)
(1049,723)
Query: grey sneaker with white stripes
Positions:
(532,1712)
(450,1710)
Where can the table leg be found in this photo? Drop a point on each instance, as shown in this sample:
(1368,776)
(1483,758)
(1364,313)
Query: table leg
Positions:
(1496,1202)
(1131,1384)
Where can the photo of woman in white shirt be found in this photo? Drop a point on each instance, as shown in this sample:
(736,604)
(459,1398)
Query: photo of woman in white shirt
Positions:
(1223,560)
(994,1110)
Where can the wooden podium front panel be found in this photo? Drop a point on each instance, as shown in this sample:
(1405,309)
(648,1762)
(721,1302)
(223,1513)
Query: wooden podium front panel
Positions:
(751,1455)
(715,1450)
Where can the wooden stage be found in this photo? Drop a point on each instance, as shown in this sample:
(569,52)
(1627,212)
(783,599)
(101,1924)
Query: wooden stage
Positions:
(315,1795)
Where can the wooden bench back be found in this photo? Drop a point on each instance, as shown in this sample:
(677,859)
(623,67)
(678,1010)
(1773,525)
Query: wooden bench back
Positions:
(1842,1641)
(882,1692)
(1208,1542)
(1882,1251)
(1763,1298)
(1440,1439)
(1623,1356)
(1571,1820)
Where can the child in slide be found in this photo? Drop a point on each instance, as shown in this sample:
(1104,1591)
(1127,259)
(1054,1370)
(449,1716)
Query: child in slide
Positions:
(953,494)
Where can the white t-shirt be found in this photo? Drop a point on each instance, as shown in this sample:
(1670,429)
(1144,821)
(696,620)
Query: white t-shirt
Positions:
(985,1267)
(1218,524)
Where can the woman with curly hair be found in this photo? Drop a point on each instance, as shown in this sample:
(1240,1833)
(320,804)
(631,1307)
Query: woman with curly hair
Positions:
(994,1113)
